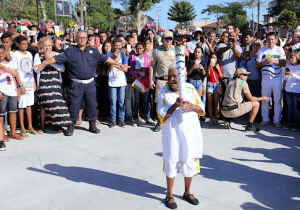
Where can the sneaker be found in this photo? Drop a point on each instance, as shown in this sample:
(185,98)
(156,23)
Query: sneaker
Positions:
(277,125)
(141,120)
(157,127)
(286,127)
(150,122)
(122,124)
(227,125)
(133,122)
(202,118)
(112,124)
(251,128)
(2,146)
(263,123)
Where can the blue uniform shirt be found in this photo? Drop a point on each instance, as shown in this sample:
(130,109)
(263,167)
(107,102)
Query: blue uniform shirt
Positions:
(80,64)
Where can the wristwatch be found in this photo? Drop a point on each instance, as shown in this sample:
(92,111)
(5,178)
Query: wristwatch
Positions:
(20,85)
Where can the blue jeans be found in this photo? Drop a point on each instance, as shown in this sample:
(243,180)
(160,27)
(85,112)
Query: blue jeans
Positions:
(117,94)
(138,98)
(293,112)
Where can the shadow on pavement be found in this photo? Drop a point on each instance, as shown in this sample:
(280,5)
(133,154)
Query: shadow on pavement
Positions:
(287,156)
(103,179)
(273,190)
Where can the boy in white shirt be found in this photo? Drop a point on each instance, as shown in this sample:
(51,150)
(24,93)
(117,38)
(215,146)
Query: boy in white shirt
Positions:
(23,60)
(117,83)
(8,96)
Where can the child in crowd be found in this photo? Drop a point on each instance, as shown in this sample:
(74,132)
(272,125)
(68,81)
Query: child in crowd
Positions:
(214,75)
(23,60)
(139,68)
(117,84)
(8,97)
(292,88)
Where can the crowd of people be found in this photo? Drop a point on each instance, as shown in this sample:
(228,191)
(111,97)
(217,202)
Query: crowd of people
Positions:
(116,78)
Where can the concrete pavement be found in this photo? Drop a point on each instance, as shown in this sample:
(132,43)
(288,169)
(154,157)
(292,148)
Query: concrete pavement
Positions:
(121,168)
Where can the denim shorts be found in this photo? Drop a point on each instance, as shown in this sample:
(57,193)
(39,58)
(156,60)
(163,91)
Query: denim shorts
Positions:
(212,87)
(196,83)
(8,104)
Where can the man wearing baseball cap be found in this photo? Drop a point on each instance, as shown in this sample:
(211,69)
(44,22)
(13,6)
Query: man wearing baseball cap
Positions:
(234,106)
(163,57)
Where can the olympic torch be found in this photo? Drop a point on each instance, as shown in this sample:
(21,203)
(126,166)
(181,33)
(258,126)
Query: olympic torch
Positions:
(181,70)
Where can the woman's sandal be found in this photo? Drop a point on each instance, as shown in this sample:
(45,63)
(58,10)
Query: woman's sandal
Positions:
(172,205)
(191,199)
(97,122)
(33,132)
(17,137)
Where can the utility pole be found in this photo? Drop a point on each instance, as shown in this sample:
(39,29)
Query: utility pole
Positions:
(205,19)
(37,13)
(157,10)
(258,14)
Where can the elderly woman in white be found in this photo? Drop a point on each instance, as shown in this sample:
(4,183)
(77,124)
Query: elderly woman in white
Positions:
(181,137)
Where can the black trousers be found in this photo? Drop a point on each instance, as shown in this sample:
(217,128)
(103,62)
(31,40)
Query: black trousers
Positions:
(80,92)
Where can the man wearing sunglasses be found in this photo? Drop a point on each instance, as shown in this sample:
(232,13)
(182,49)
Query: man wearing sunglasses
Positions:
(234,106)
(163,57)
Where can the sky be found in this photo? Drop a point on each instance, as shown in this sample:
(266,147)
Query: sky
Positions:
(199,5)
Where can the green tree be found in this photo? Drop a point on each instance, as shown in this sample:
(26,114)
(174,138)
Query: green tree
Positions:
(136,7)
(182,12)
(100,14)
(216,10)
(288,19)
(277,6)
(231,13)
(235,14)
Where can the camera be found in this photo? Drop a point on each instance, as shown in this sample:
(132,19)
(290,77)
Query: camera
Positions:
(202,39)
(232,40)
(287,70)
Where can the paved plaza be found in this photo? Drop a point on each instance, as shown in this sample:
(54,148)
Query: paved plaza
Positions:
(121,168)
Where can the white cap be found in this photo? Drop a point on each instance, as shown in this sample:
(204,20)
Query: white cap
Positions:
(197,29)
(24,28)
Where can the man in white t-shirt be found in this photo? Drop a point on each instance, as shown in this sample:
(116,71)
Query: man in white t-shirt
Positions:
(23,60)
(230,54)
(270,59)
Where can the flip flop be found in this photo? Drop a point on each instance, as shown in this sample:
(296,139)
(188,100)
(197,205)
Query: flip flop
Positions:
(5,138)
(33,132)
(17,137)
(24,135)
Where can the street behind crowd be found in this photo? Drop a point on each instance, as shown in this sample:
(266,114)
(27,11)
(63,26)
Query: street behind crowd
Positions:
(122,168)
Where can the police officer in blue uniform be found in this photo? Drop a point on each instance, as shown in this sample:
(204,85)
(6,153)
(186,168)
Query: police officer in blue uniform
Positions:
(81,64)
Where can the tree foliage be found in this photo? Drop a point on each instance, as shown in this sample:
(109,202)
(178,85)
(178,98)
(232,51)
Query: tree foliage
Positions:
(100,14)
(216,10)
(288,19)
(277,6)
(231,13)
(182,12)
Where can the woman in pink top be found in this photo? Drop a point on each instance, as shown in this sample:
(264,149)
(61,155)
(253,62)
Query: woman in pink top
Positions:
(139,68)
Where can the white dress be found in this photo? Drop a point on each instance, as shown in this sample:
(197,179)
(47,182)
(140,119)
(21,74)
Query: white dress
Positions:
(181,139)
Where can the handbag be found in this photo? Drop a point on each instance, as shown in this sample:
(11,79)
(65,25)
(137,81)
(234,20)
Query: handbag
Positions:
(219,87)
